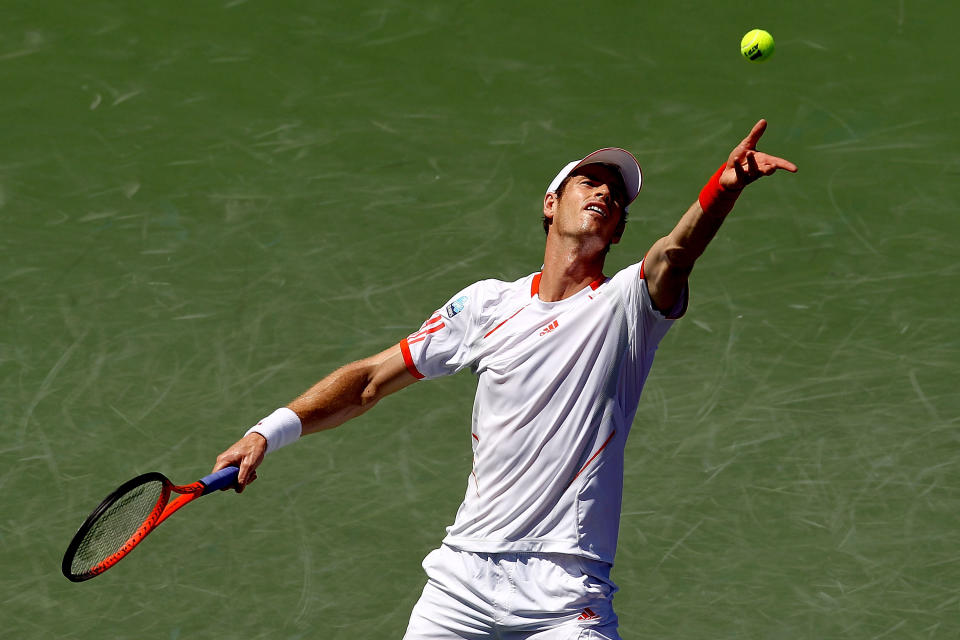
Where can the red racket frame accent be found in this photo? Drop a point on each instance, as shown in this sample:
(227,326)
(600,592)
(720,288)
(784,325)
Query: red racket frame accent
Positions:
(160,512)
(222,479)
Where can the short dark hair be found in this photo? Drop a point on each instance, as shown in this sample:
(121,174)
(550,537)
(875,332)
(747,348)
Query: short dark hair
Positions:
(563,185)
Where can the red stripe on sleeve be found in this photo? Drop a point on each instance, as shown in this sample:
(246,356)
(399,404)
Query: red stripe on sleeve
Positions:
(422,335)
(423,329)
(408,360)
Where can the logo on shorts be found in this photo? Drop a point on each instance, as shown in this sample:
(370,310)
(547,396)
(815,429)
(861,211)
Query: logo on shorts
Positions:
(588,614)
(456,306)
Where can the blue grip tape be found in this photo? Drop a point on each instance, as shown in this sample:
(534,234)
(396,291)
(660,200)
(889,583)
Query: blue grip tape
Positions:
(223,479)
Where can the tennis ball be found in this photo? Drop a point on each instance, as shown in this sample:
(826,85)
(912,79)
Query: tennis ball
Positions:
(757,46)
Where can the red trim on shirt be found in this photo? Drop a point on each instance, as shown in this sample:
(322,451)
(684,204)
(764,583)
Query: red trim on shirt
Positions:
(587,464)
(643,262)
(535,285)
(408,360)
(505,321)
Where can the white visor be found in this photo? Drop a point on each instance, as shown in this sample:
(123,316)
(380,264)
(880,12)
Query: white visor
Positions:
(620,158)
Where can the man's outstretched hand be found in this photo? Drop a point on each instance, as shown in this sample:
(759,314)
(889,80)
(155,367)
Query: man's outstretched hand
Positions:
(745,164)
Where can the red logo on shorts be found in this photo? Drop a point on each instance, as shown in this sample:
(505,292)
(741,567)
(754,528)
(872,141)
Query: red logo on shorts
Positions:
(550,327)
(588,614)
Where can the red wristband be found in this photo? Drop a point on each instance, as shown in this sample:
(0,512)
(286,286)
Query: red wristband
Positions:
(714,199)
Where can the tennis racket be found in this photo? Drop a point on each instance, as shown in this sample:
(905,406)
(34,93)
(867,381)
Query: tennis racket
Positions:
(127,515)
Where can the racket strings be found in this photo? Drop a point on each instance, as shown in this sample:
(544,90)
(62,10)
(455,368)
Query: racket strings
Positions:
(116,525)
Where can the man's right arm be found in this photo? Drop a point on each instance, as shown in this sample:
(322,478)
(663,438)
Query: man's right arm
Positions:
(669,262)
(346,393)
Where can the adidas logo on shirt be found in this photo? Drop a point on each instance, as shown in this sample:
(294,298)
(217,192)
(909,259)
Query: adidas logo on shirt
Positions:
(550,327)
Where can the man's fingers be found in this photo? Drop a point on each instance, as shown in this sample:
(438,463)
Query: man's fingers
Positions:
(251,476)
(738,157)
(768,164)
(225,459)
(748,164)
(786,165)
(750,142)
(248,470)
(244,471)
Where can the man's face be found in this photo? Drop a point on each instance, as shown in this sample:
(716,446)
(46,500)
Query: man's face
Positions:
(591,204)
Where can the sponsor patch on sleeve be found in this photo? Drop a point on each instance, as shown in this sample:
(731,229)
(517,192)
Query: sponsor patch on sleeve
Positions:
(456,306)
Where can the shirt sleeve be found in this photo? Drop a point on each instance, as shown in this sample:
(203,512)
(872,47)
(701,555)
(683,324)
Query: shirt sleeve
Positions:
(442,345)
(655,322)
(649,324)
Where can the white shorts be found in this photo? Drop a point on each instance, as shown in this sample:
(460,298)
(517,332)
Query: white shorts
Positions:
(513,596)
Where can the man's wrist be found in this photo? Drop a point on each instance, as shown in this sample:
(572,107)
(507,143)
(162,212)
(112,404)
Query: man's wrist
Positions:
(280,428)
(714,198)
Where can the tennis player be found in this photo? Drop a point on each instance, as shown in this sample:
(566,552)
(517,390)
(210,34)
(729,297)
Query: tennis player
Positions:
(560,356)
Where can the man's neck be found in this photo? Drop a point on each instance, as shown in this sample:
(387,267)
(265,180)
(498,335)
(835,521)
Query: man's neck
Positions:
(568,268)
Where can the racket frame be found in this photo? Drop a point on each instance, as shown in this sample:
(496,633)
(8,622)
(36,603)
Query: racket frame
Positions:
(162,510)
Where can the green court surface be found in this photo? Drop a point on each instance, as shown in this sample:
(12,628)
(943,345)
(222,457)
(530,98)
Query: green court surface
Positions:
(206,206)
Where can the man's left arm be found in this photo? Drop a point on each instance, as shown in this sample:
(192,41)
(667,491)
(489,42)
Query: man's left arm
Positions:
(668,264)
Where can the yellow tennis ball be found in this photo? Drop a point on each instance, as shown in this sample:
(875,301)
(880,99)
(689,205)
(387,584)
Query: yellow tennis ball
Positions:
(757,46)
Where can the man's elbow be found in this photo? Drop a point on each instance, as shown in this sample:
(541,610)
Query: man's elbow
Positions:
(678,261)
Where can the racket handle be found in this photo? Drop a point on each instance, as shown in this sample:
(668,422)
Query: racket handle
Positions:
(223,479)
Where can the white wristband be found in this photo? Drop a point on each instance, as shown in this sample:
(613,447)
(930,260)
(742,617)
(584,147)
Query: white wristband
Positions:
(280,428)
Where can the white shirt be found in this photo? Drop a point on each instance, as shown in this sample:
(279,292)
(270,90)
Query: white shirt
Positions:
(558,387)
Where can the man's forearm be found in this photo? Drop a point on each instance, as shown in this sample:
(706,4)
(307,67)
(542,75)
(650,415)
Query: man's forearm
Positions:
(689,239)
(352,390)
(342,395)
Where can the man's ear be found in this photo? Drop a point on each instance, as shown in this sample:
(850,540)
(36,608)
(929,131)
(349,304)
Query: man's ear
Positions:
(618,233)
(550,201)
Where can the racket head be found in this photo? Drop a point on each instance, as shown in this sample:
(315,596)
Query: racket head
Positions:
(116,526)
